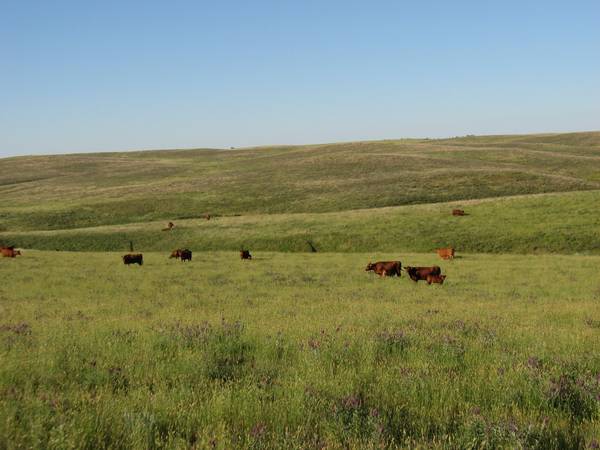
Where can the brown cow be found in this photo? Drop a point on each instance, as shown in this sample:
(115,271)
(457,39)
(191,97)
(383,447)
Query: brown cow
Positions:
(185,255)
(245,254)
(207,216)
(436,279)
(458,212)
(385,268)
(9,252)
(446,253)
(170,226)
(132,258)
(421,273)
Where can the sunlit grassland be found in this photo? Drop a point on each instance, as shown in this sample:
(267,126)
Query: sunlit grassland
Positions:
(552,223)
(298,350)
(71,191)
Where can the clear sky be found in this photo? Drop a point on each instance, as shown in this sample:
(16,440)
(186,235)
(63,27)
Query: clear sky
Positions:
(80,75)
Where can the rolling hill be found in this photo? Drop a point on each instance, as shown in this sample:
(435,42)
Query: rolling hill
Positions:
(384,195)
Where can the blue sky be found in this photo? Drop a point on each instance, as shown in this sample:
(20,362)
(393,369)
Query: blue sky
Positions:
(80,76)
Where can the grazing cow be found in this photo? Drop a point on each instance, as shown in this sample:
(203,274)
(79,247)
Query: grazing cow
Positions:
(170,226)
(175,253)
(458,212)
(245,254)
(421,273)
(185,255)
(9,252)
(131,258)
(446,253)
(436,279)
(385,268)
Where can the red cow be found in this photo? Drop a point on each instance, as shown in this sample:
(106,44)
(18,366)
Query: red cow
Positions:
(446,253)
(385,268)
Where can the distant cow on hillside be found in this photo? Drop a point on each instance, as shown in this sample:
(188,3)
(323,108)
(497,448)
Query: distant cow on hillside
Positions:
(136,258)
(170,226)
(458,212)
(245,254)
(9,252)
(421,273)
(385,268)
(446,253)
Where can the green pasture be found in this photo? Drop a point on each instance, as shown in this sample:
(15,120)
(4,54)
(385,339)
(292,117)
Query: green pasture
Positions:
(298,350)
(552,223)
(75,191)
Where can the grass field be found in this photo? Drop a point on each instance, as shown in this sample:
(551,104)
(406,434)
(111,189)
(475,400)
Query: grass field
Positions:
(553,223)
(298,350)
(74,191)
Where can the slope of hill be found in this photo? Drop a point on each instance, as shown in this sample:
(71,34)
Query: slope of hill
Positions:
(557,223)
(74,191)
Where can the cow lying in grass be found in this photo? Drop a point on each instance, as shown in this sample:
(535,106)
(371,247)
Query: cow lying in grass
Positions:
(385,268)
(245,254)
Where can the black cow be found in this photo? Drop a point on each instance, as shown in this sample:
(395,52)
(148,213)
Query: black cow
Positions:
(131,258)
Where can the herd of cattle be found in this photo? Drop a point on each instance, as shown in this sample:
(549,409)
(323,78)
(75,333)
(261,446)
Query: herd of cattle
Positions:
(183,254)
(431,274)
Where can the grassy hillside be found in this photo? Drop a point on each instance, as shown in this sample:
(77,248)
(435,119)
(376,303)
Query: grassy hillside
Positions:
(558,223)
(298,351)
(62,192)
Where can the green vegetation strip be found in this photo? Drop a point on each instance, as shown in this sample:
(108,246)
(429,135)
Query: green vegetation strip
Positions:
(554,223)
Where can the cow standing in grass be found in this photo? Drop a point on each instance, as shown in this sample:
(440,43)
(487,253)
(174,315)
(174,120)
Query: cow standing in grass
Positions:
(9,252)
(185,255)
(446,253)
(130,258)
(245,254)
(385,268)
(439,279)
(182,253)
(421,273)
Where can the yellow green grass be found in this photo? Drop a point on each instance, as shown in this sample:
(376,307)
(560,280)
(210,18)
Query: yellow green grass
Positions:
(551,223)
(74,191)
(298,351)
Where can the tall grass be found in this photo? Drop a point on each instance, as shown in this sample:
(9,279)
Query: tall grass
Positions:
(298,351)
